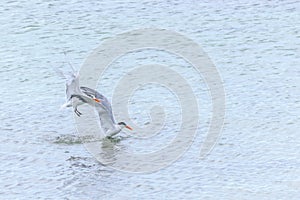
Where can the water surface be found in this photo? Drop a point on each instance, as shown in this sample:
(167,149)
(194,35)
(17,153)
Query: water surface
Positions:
(255,46)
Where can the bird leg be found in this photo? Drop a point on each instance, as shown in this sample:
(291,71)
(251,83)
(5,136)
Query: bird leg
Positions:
(77,112)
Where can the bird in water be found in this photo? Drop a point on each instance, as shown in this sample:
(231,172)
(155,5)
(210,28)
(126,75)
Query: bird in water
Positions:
(78,95)
(104,110)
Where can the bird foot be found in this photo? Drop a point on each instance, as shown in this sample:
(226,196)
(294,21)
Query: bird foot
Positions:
(77,113)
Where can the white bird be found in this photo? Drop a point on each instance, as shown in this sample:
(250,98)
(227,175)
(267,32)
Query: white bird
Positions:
(77,96)
(103,107)
(74,94)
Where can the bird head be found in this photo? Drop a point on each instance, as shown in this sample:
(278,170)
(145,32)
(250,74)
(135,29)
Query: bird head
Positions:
(124,125)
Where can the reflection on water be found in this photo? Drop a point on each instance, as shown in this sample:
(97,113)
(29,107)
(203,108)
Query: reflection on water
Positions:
(107,148)
(108,151)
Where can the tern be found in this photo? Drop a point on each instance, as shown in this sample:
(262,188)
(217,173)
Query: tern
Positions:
(103,107)
(75,96)
(78,95)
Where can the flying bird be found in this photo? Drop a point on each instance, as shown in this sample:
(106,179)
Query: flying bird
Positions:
(103,107)
(75,96)
(78,95)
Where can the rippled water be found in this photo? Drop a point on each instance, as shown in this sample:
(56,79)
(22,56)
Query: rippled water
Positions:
(255,46)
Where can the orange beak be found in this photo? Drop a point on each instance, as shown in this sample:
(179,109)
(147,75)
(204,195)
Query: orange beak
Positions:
(97,100)
(128,127)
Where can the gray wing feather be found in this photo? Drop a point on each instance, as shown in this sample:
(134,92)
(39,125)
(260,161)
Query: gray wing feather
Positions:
(105,117)
(104,101)
(72,85)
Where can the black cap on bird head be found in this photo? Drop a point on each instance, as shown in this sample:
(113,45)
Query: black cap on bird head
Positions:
(125,125)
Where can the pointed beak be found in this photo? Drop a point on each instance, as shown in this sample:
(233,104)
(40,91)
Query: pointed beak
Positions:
(97,100)
(128,127)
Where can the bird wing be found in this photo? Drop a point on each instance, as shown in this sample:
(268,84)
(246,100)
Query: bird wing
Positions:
(82,98)
(105,104)
(72,85)
(105,116)
(72,81)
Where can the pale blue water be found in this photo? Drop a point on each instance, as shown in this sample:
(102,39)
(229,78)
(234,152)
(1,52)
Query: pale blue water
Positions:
(255,46)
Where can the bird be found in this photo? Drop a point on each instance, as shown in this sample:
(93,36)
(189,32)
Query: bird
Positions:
(75,96)
(104,109)
(78,95)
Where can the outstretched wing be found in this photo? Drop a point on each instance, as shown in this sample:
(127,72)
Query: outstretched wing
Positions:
(72,85)
(105,104)
(72,81)
(106,118)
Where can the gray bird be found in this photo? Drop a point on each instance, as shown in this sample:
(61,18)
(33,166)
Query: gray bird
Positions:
(77,96)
